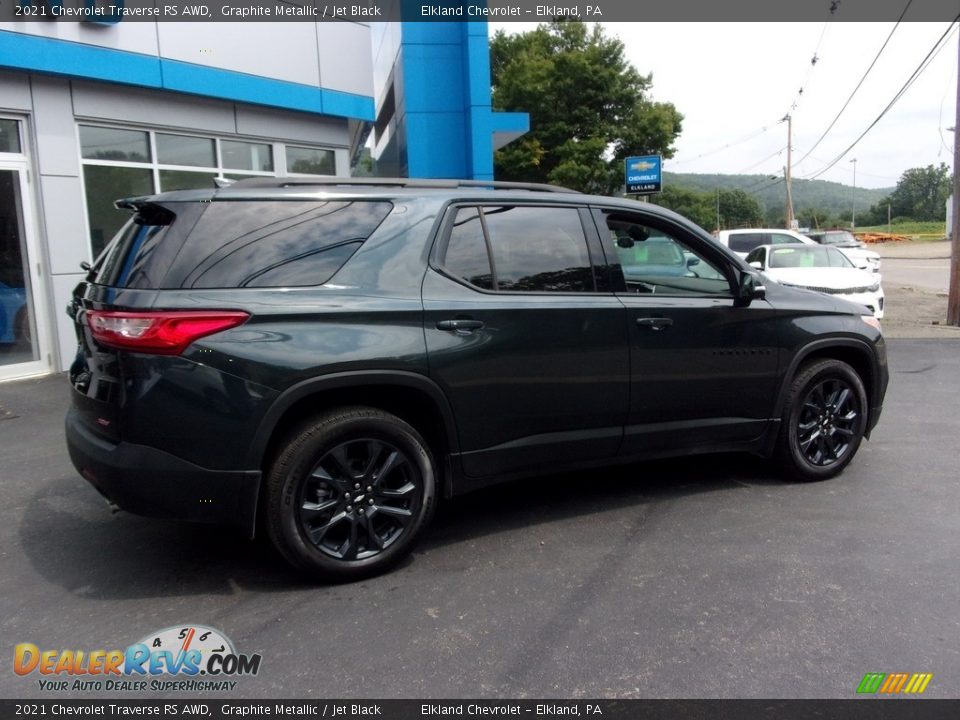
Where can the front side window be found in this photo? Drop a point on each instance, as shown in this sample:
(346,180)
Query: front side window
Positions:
(654,260)
(520,249)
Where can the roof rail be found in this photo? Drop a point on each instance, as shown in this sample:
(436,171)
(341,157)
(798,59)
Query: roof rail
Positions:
(281,182)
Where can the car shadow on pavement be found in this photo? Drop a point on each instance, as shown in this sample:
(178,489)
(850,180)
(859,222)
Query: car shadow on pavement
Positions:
(545,499)
(73,540)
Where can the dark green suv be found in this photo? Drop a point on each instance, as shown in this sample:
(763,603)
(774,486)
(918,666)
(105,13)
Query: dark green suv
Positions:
(330,356)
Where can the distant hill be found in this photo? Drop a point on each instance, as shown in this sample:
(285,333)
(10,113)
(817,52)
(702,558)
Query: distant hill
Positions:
(820,195)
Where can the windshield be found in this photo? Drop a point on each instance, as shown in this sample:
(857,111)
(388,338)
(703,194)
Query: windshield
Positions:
(807,256)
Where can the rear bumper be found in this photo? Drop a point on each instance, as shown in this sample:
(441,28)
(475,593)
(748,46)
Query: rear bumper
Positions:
(150,482)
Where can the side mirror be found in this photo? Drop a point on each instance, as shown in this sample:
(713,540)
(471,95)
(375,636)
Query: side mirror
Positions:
(757,264)
(624,242)
(751,288)
(691,261)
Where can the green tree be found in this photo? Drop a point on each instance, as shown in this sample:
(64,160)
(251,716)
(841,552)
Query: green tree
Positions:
(589,108)
(921,194)
(739,209)
(700,207)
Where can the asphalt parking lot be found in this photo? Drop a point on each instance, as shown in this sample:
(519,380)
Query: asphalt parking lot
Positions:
(699,578)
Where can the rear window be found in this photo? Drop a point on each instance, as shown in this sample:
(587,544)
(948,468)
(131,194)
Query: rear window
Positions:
(745,242)
(232,244)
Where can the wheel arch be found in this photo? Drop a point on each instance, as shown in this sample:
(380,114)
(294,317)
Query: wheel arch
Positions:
(412,397)
(854,352)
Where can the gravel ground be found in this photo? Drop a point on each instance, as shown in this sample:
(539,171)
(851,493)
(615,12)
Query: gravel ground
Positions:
(914,312)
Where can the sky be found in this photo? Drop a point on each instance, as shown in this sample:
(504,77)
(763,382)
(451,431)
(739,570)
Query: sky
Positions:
(734,82)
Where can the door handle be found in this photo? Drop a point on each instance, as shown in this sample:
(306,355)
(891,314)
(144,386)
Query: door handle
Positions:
(655,323)
(459,325)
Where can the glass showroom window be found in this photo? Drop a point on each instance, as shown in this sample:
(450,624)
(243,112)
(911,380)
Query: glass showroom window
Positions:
(116,164)
(121,162)
(310,161)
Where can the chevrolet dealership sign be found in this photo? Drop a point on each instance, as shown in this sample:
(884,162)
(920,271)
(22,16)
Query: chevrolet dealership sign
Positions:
(643,174)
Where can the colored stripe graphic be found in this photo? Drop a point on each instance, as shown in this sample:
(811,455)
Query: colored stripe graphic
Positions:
(894,683)
(871,683)
(918,683)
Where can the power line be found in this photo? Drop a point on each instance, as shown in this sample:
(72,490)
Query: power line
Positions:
(862,79)
(759,162)
(742,140)
(815,58)
(934,51)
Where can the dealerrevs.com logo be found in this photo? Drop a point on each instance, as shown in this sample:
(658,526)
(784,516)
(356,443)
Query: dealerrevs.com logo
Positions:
(181,658)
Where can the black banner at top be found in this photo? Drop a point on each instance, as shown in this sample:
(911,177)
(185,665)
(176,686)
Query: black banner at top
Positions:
(111,12)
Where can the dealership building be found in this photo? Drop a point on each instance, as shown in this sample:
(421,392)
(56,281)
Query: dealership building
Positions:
(93,112)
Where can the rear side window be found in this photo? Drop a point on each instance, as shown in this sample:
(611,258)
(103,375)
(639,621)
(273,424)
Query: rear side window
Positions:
(520,249)
(233,244)
(745,242)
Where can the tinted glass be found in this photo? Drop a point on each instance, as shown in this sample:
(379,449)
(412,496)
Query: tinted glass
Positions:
(140,255)
(310,161)
(656,261)
(466,256)
(99,143)
(246,156)
(745,242)
(240,244)
(9,136)
(185,150)
(539,249)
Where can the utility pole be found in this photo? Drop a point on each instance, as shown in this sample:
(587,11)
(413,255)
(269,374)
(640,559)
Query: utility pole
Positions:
(718,210)
(853,197)
(953,298)
(787,169)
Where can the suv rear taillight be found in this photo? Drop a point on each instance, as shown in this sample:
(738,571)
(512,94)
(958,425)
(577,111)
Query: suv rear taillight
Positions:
(159,332)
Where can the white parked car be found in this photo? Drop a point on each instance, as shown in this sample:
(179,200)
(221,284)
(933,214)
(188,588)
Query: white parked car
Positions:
(820,268)
(745,240)
(846,243)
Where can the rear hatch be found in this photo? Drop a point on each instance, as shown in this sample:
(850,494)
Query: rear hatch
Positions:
(123,278)
(176,273)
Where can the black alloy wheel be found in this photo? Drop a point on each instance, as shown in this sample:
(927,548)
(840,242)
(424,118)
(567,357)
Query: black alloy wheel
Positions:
(824,420)
(359,499)
(349,493)
(829,416)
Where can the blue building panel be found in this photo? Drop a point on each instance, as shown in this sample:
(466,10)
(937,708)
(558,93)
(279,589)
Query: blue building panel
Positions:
(437,145)
(436,32)
(436,82)
(446,91)
(38,54)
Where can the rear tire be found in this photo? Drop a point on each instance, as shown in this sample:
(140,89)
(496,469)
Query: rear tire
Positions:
(823,421)
(350,493)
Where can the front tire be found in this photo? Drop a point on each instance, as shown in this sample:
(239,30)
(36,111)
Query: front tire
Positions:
(350,493)
(823,421)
